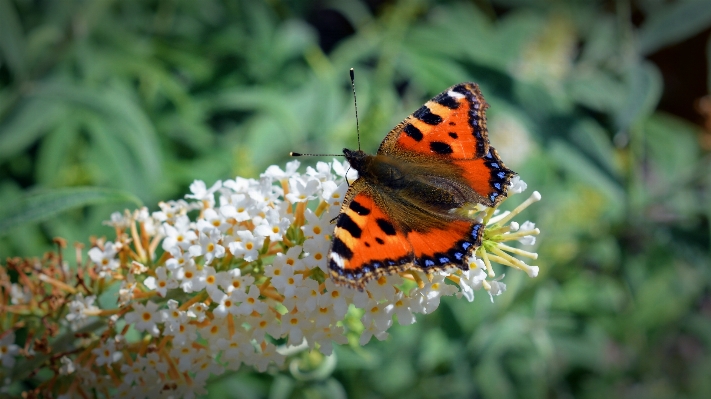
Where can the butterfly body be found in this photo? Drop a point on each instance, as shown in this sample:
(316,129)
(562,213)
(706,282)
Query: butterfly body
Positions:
(403,211)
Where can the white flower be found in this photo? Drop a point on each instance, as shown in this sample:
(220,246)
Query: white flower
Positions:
(206,366)
(173,316)
(379,313)
(302,189)
(274,227)
(372,331)
(212,220)
(247,246)
(497,287)
(333,194)
(19,295)
(211,283)
(67,366)
(326,336)
(383,288)
(179,235)
(343,169)
(336,297)
(145,318)
(201,192)
(105,260)
(78,308)
(161,283)
(185,356)
(472,280)
(208,246)
(275,172)
(294,323)
(250,301)
(8,349)
(401,307)
(106,353)
(227,305)
(118,221)
(433,291)
(517,185)
(197,310)
(317,249)
(239,210)
(170,211)
(191,278)
(529,239)
(322,171)
(316,227)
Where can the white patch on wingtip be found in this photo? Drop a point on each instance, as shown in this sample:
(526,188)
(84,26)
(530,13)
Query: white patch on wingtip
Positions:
(337,258)
(454,94)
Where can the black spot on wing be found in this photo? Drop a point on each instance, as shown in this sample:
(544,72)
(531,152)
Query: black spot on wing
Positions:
(453,135)
(379,240)
(386,227)
(341,249)
(425,115)
(441,148)
(345,222)
(413,132)
(446,100)
(358,208)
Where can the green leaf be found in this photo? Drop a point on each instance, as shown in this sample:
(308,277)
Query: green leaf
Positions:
(28,124)
(12,40)
(585,171)
(673,23)
(41,206)
(645,89)
(129,123)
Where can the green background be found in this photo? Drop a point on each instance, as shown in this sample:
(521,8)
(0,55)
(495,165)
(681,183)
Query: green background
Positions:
(599,105)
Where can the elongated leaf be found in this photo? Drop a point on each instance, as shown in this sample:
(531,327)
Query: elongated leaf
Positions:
(673,23)
(12,40)
(645,87)
(130,123)
(27,125)
(42,206)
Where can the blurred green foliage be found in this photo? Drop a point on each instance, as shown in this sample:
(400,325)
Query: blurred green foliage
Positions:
(144,97)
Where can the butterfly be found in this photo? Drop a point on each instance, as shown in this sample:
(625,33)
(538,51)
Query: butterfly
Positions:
(402,210)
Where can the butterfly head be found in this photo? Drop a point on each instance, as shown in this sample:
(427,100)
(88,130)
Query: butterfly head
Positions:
(357,159)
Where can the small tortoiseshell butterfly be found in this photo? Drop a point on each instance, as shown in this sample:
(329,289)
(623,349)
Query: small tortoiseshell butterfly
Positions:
(401,212)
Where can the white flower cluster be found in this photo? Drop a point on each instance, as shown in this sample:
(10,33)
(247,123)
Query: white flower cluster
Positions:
(251,270)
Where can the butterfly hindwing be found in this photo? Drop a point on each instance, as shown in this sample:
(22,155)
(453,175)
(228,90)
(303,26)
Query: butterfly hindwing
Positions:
(451,125)
(487,176)
(366,242)
(451,245)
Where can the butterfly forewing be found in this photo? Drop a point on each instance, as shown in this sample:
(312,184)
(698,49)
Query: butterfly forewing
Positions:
(451,125)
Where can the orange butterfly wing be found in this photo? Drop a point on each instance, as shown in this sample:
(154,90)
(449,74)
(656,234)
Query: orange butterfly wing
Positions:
(437,249)
(452,126)
(366,244)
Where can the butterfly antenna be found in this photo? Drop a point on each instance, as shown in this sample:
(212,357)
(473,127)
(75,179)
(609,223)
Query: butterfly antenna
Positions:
(355,103)
(298,154)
